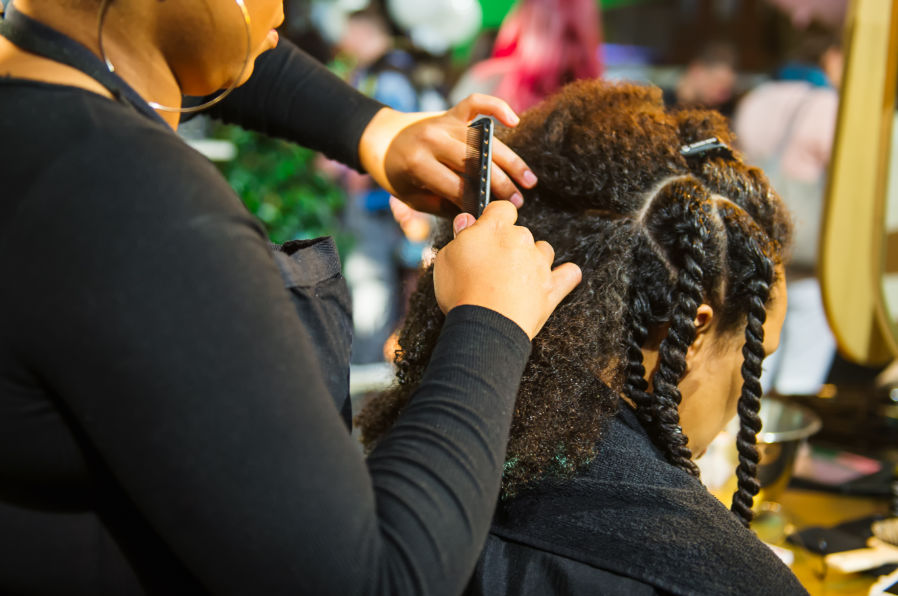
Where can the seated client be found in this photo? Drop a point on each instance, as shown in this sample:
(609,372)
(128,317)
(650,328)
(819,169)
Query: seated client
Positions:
(683,295)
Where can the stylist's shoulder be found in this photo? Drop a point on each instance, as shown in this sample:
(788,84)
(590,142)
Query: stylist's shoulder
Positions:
(163,181)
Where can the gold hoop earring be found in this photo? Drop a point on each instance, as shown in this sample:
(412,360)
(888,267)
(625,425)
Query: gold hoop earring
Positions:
(101,20)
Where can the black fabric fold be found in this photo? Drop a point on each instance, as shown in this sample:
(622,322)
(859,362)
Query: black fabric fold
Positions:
(632,514)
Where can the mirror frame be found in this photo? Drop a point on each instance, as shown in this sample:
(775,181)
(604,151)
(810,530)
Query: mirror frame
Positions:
(852,241)
(888,243)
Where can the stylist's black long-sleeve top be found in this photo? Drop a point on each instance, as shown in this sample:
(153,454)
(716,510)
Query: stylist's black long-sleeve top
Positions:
(292,96)
(164,426)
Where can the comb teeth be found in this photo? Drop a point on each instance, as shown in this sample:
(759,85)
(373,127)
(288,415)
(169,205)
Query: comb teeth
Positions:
(473,142)
(478,156)
(887,530)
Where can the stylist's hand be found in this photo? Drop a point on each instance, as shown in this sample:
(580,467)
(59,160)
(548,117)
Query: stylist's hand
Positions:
(496,264)
(420,157)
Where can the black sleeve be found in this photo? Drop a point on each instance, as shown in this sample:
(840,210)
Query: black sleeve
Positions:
(509,568)
(292,96)
(157,314)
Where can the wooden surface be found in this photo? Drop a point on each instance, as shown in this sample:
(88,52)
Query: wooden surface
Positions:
(801,509)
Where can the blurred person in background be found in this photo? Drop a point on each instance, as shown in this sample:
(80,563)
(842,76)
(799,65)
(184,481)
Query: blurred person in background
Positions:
(380,249)
(380,70)
(541,46)
(786,126)
(708,80)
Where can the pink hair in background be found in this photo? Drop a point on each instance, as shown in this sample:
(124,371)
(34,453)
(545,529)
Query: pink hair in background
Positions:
(542,45)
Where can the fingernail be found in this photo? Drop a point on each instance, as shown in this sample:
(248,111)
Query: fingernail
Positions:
(517,200)
(515,119)
(459,223)
(529,178)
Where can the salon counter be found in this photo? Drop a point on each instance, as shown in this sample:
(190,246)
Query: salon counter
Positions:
(802,509)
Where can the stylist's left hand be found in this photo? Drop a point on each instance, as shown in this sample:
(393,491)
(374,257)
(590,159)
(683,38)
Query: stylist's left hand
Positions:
(420,157)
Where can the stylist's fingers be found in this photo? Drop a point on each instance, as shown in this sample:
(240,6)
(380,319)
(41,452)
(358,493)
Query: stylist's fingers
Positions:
(511,168)
(546,249)
(478,104)
(461,221)
(496,264)
(502,187)
(565,278)
(500,213)
(436,180)
(420,157)
(427,202)
(453,152)
(511,164)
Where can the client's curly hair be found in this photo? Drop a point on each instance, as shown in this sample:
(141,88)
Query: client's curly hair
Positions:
(656,234)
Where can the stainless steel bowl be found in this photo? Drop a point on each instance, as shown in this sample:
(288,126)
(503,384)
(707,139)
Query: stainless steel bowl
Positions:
(784,427)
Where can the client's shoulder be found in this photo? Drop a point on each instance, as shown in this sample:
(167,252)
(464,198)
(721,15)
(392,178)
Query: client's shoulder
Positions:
(633,514)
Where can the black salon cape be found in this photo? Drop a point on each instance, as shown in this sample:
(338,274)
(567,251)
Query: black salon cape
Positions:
(165,424)
(630,524)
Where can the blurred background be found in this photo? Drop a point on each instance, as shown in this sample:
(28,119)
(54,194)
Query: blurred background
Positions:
(809,88)
(425,56)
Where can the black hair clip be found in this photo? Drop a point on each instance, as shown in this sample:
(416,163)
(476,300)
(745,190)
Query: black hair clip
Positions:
(701,147)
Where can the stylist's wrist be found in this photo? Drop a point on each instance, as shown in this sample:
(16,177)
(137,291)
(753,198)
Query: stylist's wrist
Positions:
(377,137)
(420,157)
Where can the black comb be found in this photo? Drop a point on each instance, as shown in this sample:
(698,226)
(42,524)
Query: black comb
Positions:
(478,157)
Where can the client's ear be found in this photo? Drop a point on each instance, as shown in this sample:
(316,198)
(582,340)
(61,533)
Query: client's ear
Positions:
(701,346)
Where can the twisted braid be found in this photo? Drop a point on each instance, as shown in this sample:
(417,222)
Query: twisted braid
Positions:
(686,221)
(635,385)
(758,231)
(755,274)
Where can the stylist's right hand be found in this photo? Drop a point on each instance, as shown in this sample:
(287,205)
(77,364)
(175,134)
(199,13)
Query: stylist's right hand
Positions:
(495,264)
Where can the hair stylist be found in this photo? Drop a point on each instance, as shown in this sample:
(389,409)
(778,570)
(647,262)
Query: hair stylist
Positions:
(167,408)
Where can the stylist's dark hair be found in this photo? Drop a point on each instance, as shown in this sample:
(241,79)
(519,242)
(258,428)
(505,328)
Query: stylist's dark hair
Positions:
(656,234)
